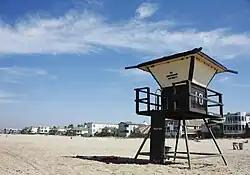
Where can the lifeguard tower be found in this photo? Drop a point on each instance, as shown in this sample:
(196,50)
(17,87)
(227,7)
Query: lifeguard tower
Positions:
(183,80)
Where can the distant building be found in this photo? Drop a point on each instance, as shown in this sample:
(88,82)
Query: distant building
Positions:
(107,132)
(79,131)
(215,125)
(141,131)
(94,128)
(127,128)
(193,127)
(61,130)
(43,129)
(171,128)
(33,129)
(58,131)
(217,129)
(11,131)
(236,124)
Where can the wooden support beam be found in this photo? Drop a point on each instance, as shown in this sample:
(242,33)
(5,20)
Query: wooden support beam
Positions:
(194,153)
(186,140)
(185,157)
(142,144)
(177,138)
(212,135)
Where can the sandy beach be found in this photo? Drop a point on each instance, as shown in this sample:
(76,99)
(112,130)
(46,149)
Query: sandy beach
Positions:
(37,155)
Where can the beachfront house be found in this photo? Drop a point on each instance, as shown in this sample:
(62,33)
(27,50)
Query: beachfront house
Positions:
(171,128)
(126,128)
(141,131)
(215,125)
(61,130)
(33,130)
(193,128)
(236,124)
(58,130)
(11,131)
(217,129)
(43,129)
(25,130)
(107,131)
(78,131)
(94,128)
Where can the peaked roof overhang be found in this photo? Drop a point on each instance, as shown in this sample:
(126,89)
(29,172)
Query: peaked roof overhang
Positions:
(196,51)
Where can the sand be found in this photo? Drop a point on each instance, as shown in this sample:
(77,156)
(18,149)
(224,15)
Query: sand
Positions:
(35,155)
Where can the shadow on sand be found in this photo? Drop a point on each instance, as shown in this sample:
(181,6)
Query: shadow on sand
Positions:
(127,160)
(115,159)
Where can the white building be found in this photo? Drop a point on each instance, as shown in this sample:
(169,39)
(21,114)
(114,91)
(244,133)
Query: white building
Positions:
(34,129)
(58,130)
(235,123)
(142,129)
(43,129)
(97,127)
(11,131)
(61,129)
(80,131)
(127,128)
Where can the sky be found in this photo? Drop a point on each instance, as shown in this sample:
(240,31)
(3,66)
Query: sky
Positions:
(62,62)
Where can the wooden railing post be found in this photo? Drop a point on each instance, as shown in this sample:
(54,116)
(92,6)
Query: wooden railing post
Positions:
(137,97)
(221,104)
(148,99)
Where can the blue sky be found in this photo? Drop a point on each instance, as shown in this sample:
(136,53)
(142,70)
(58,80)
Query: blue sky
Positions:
(63,62)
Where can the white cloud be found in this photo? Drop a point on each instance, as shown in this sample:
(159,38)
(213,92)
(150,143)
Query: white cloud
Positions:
(7,97)
(80,33)
(19,71)
(16,74)
(136,74)
(132,72)
(146,10)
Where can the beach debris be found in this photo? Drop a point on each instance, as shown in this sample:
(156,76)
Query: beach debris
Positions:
(238,145)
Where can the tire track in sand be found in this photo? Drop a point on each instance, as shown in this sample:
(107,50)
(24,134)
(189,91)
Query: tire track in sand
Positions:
(10,153)
(39,169)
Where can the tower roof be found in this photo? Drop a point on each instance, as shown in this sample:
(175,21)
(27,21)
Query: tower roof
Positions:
(194,52)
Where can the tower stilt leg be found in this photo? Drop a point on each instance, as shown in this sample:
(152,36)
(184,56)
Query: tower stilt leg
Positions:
(142,144)
(177,138)
(186,140)
(212,135)
(157,140)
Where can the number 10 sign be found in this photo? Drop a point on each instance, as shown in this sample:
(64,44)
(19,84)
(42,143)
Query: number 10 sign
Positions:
(198,101)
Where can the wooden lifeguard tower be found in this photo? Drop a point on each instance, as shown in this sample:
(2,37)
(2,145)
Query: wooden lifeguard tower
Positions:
(183,80)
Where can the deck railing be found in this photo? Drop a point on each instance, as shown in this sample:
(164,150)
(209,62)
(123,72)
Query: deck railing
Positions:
(153,101)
